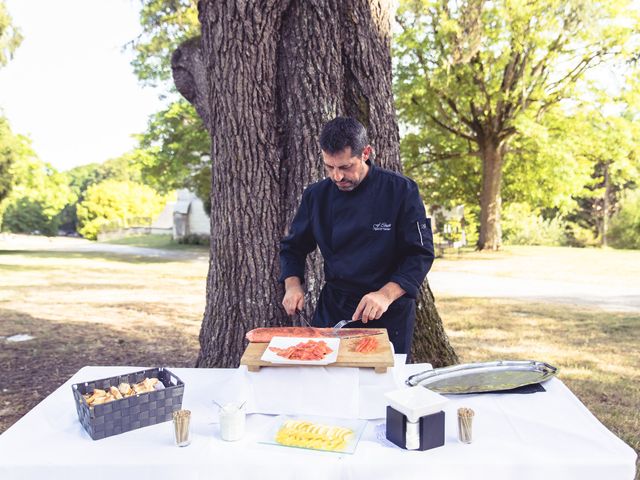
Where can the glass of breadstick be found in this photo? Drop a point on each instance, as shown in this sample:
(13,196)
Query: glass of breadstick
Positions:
(465,424)
(181,420)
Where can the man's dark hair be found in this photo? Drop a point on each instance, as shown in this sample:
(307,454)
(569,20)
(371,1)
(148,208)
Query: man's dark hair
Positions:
(343,132)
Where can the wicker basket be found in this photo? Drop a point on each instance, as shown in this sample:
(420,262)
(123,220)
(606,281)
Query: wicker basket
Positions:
(128,413)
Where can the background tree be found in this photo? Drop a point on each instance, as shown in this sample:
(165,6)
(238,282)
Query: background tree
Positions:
(609,141)
(38,195)
(116,204)
(165,25)
(625,223)
(263,99)
(474,70)
(11,146)
(174,152)
(126,168)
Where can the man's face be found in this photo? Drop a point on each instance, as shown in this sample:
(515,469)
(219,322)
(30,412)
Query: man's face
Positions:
(345,170)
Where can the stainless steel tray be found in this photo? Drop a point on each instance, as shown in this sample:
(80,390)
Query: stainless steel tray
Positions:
(483,377)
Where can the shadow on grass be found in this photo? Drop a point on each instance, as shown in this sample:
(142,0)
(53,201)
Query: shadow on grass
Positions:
(35,368)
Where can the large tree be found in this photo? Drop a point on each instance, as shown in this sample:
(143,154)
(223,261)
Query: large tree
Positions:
(470,71)
(264,76)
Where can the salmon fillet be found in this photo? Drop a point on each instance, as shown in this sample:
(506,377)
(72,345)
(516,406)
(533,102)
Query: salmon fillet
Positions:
(264,335)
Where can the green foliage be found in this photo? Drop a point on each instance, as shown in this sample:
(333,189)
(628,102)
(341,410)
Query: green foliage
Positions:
(12,147)
(115,204)
(165,24)
(124,168)
(544,166)
(174,151)
(609,145)
(444,181)
(625,224)
(26,215)
(523,226)
(81,177)
(579,236)
(10,36)
(38,196)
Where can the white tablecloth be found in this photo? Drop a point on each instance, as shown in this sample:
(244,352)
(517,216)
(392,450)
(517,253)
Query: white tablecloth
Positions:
(547,435)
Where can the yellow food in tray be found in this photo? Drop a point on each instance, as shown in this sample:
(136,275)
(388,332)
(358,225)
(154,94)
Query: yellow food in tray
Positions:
(98,396)
(304,434)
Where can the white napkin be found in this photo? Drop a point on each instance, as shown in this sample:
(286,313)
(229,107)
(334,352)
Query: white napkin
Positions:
(373,386)
(309,390)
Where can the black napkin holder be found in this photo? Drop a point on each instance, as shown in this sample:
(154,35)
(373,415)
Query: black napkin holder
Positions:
(431,429)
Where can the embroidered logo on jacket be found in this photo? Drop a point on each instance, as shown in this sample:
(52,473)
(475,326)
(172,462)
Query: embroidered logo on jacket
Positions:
(384,227)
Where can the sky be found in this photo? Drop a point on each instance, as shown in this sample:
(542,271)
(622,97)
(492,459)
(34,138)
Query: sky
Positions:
(70,86)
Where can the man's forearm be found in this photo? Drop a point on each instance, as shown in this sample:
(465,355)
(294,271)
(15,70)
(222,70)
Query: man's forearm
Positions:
(374,304)
(292,282)
(392,291)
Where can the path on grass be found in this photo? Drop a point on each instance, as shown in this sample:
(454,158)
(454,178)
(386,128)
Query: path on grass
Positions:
(81,245)
(606,279)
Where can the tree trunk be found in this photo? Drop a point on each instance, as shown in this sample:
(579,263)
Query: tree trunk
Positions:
(490,200)
(431,344)
(276,71)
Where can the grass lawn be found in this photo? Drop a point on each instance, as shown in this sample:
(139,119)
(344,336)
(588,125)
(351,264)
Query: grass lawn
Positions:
(104,309)
(156,241)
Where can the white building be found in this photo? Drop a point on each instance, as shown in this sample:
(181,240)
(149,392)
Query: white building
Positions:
(189,217)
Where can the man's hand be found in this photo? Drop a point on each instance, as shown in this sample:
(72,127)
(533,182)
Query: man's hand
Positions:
(293,300)
(374,304)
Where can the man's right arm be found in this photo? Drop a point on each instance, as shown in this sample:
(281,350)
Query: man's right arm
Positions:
(294,249)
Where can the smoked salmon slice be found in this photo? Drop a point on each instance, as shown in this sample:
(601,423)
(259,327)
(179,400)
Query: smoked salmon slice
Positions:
(310,350)
(366,345)
(264,335)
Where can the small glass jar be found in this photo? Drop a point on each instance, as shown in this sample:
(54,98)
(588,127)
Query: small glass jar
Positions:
(232,422)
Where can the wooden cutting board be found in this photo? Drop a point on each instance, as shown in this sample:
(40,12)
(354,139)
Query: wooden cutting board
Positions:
(380,359)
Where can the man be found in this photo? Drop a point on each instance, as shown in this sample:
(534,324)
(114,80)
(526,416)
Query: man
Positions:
(370,226)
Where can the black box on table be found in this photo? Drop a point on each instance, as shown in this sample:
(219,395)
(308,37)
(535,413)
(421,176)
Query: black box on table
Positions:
(129,413)
(430,428)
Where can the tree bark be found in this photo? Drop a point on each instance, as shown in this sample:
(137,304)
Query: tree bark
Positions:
(430,343)
(275,72)
(490,200)
(190,77)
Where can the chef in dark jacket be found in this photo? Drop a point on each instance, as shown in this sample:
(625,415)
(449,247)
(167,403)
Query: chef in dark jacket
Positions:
(371,228)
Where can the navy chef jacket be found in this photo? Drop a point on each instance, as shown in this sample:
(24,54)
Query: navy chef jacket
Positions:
(369,236)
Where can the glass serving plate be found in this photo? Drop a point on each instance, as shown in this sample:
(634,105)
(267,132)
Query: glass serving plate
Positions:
(483,377)
(270,435)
